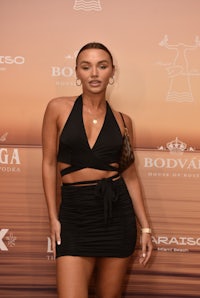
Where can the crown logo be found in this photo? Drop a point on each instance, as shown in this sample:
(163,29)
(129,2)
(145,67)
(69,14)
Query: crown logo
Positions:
(176,146)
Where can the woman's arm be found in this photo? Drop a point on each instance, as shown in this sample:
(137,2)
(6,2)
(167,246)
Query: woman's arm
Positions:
(49,168)
(132,181)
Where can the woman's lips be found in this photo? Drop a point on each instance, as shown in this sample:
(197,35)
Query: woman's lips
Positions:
(95,83)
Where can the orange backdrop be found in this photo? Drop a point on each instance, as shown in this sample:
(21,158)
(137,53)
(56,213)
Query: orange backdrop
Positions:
(156,48)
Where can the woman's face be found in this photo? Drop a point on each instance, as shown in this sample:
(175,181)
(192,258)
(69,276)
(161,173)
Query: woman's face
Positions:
(94,69)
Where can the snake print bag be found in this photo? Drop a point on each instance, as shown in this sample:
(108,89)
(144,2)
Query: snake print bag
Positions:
(127,155)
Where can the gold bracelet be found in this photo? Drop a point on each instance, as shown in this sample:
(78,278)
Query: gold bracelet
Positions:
(146,230)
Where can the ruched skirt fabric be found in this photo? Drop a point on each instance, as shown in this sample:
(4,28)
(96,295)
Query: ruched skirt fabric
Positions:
(97,220)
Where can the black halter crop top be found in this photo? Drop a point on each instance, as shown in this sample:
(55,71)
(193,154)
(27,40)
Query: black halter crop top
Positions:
(74,148)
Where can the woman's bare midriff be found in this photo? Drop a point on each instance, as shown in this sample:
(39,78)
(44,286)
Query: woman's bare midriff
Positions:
(85,174)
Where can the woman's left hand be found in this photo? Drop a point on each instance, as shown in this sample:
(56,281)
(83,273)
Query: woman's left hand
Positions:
(147,248)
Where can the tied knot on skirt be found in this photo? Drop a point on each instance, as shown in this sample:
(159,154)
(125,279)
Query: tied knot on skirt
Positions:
(106,193)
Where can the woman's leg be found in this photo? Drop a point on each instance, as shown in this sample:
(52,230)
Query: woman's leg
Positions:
(110,276)
(73,276)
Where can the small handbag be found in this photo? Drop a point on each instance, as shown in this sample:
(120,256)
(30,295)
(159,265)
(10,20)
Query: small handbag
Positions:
(127,155)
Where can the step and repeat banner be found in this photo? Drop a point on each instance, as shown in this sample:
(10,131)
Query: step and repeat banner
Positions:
(156,48)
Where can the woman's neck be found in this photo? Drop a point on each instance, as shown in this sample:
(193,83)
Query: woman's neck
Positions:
(94,101)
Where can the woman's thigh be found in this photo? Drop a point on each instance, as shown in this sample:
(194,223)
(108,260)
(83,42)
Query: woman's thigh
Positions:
(110,276)
(73,276)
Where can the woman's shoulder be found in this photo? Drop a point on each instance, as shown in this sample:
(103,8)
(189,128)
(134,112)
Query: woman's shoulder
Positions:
(59,103)
(120,115)
(63,100)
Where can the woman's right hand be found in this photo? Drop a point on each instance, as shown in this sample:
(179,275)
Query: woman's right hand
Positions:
(55,234)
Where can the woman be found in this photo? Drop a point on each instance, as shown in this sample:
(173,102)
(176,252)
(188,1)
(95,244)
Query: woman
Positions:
(95,226)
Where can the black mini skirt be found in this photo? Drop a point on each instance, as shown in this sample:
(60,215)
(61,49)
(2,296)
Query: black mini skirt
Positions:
(97,219)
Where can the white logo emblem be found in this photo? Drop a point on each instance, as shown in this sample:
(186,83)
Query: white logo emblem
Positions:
(65,74)
(3,137)
(50,256)
(10,240)
(87,5)
(179,71)
(2,234)
(176,146)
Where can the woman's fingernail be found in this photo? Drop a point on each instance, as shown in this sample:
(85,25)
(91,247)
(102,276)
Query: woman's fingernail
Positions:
(144,255)
(58,242)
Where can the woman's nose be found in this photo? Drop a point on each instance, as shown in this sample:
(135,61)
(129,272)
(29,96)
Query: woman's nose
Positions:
(94,72)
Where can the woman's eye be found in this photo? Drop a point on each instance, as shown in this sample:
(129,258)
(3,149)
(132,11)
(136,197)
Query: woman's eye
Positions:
(85,67)
(103,66)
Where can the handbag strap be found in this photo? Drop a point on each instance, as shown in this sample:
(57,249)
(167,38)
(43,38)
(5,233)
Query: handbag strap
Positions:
(125,127)
(123,119)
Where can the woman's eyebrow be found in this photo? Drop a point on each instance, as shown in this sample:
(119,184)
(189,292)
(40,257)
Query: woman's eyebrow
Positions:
(88,62)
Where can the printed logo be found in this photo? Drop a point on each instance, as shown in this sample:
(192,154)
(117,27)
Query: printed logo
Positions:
(65,74)
(176,244)
(176,146)
(178,70)
(9,60)
(87,5)
(10,240)
(50,256)
(179,164)
(9,160)
(3,137)
(12,60)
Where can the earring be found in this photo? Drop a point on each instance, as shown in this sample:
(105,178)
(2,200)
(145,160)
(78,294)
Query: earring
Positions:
(111,81)
(78,82)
